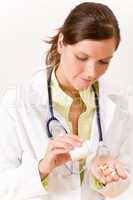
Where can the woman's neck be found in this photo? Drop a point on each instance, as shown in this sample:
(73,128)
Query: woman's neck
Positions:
(64,84)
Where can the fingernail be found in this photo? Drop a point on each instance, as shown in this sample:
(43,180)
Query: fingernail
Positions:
(124,177)
(102,180)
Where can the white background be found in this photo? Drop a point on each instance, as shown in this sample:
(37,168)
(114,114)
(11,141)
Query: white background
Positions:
(24,24)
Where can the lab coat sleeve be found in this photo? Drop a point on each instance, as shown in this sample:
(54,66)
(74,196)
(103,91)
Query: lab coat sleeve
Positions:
(126,158)
(19,175)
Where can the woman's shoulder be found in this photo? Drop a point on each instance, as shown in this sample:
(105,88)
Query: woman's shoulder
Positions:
(32,91)
(121,99)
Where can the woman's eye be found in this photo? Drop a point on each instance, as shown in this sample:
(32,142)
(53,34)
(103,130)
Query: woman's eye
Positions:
(80,58)
(104,62)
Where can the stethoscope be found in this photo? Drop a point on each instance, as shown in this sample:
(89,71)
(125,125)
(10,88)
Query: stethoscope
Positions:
(53,120)
(53,125)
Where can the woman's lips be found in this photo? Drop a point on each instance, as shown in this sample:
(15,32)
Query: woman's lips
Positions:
(86,80)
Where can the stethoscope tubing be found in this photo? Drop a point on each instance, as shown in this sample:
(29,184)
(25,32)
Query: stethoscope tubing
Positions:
(50,105)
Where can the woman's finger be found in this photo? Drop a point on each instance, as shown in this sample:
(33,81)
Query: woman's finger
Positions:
(120,170)
(108,179)
(106,170)
(55,154)
(60,151)
(62,144)
(98,174)
(74,142)
(114,175)
(76,137)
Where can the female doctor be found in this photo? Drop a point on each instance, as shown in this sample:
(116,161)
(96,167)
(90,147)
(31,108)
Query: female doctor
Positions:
(45,119)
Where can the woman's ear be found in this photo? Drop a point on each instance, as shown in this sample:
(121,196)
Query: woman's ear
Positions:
(60,44)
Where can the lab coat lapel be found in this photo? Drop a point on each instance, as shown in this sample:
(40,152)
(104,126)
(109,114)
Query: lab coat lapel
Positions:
(107,112)
(36,140)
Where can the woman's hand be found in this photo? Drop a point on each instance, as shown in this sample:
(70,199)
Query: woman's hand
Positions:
(58,153)
(107,169)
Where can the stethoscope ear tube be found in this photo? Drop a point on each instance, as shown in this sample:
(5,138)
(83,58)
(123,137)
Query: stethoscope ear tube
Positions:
(98,114)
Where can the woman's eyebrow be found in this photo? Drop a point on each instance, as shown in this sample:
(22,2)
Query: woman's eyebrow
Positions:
(85,54)
(107,58)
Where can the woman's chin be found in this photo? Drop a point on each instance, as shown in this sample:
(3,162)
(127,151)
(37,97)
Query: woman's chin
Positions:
(83,85)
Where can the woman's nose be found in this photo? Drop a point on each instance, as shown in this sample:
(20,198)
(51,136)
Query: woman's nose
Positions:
(90,69)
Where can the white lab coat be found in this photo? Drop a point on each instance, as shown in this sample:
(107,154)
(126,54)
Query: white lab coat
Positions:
(23,143)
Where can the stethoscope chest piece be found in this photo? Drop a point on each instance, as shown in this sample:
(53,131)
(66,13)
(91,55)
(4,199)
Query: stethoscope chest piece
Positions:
(54,128)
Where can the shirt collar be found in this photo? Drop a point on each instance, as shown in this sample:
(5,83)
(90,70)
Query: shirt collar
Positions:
(60,96)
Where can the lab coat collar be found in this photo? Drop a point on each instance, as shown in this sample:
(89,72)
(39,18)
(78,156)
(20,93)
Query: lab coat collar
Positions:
(38,88)
(38,96)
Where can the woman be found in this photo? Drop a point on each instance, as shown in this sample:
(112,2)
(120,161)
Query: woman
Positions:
(35,166)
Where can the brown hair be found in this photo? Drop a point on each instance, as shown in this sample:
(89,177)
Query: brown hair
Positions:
(88,20)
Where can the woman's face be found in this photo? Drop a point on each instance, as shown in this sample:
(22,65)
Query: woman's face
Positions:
(83,63)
